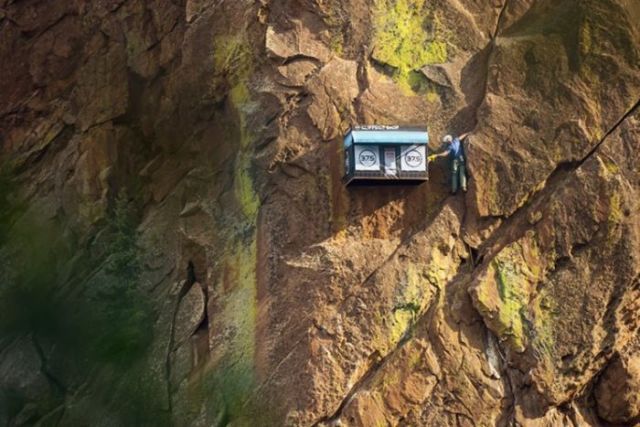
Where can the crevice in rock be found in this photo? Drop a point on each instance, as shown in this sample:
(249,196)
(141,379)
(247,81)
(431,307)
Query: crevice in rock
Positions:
(191,274)
(488,52)
(517,221)
(55,382)
(476,259)
(509,414)
(427,316)
(362,77)
(185,286)
(136,86)
(53,417)
(571,413)
(202,9)
(456,398)
(163,36)
(301,57)
(57,144)
(463,269)
(37,33)
(374,368)
(620,121)
(459,415)
(609,320)
(499,21)
(119,6)
(8,18)
(587,392)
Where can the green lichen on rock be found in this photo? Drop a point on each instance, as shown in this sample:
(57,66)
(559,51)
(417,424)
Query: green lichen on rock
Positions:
(615,209)
(542,312)
(232,58)
(608,169)
(240,308)
(233,62)
(233,373)
(514,301)
(244,257)
(243,187)
(335,17)
(401,321)
(233,66)
(586,38)
(614,219)
(504,296)
(229,380)
(404,38)
(438,270)
(243,182)
(412,297)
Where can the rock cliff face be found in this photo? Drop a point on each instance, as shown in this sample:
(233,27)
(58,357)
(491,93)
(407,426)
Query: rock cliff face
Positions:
(279,297)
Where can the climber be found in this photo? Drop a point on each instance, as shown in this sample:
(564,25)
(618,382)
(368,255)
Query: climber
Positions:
(455,151)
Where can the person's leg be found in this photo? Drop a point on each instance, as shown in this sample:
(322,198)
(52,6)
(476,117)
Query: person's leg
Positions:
(463,177)
(454,176)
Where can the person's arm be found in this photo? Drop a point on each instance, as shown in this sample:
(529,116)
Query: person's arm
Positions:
(441,154)
(464,135)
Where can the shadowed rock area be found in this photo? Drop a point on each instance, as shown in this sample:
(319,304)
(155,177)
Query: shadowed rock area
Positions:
(178,247)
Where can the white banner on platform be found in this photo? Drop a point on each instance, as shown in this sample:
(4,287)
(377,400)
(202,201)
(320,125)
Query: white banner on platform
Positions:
(367,157)
(414,158)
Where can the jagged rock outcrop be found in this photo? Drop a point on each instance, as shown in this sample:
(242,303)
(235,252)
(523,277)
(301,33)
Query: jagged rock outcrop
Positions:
(278,296)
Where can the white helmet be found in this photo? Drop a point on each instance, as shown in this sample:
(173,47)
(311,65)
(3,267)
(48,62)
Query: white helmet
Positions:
(448,139)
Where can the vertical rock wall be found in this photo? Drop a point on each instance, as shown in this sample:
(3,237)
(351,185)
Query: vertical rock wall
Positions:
(282,298)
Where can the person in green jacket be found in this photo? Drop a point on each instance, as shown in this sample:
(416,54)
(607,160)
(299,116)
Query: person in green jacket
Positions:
(455,151)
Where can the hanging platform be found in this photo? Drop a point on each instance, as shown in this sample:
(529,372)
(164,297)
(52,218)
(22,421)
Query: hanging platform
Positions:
(376,155)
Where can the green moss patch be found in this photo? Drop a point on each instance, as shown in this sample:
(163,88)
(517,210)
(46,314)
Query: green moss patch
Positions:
(405,39)
(232,58)
(234,376)
(513,302)
(413,296)
(505,298)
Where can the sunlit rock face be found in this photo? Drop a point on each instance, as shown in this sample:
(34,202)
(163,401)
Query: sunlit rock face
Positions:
(188,155)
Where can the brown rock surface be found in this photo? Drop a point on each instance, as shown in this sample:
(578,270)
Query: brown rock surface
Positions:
(617,391)
(278,296)
(189,315)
